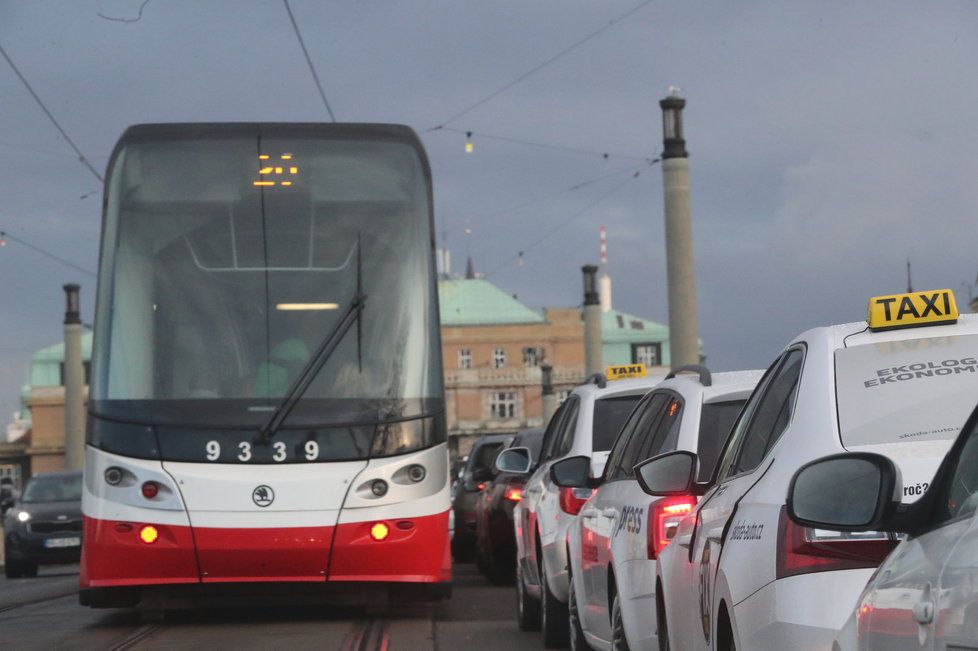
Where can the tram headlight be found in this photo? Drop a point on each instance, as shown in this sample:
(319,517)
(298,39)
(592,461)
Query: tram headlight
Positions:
(113,476)
(416,473)
(379,487)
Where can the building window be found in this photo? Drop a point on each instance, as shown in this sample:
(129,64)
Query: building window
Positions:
(502,404)
(532,356)
(498,357)
(465,358)
(648,354)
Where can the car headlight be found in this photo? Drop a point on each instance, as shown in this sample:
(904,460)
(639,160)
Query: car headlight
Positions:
(23,516)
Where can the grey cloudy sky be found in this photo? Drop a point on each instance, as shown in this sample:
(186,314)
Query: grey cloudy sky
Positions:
(829,141)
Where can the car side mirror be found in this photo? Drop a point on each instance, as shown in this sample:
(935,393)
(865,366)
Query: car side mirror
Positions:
(668,474)
(856,491)
(573,472)
(517,461)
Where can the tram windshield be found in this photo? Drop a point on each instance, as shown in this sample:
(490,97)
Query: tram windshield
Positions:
(229,256)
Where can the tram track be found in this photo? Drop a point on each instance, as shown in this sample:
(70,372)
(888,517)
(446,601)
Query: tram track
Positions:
(138,636)
(33,602)
(367,635)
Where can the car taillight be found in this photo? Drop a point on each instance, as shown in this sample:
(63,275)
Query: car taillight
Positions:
(664,518)
(802,550)
(572,499)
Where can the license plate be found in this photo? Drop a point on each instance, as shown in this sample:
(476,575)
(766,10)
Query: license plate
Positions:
(62,542)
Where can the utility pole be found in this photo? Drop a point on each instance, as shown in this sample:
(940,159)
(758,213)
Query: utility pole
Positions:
(683,336)
(592,321)
(74,380)
(548,400)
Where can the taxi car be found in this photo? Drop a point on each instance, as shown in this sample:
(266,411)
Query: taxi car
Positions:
(621,529)
(586,424)
(925,594)
(44,526)
(740,574)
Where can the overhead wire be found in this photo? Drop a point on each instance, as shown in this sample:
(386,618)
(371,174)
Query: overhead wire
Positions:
(556,229)
(305,53)
(81,157)
(42,251)
(573,46)
(545,145)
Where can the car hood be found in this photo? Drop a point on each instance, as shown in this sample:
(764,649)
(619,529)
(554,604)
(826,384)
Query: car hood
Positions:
(49,511)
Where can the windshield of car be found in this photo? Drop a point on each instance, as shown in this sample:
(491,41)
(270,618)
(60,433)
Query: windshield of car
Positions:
(909,391)
(54,488)
(609,416)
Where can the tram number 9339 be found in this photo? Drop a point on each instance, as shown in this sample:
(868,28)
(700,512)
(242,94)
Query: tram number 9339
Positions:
(310,451)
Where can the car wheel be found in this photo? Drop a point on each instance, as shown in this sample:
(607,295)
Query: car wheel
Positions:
(575,631)
(662,624)
(527,608)
(11,570)
(618,640)
(553,616)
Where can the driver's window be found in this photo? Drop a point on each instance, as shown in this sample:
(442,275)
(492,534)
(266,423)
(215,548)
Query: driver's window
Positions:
(963,495)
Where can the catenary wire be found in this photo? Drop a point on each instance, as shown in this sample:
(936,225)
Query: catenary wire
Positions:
(46,253)
(546,63)
(81,157)
(544,145)
(305,53)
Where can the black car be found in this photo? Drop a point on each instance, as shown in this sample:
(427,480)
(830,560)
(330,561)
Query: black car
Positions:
(44,526)
(495,544)
(472,479)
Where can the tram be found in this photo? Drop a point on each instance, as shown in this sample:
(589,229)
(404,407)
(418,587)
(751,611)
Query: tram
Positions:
(267,404)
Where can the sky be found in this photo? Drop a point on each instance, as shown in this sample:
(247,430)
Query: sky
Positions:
(829,142)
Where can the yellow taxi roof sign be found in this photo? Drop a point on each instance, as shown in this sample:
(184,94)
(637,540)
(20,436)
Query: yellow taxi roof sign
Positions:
(932,307)
(622,371)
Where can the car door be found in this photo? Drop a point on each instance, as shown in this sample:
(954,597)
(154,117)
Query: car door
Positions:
(526,518)
(925,595)
(609,517)
(547,508)
(763,421)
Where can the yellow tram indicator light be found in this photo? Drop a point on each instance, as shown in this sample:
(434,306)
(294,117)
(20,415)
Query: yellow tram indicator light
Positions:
(262,183)
(149,534)
(263,157)
(286,156)
(379,531)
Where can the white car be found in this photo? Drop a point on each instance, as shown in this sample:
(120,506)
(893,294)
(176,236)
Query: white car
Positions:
(586,424)
(739,573)
(925,594)
(621,529)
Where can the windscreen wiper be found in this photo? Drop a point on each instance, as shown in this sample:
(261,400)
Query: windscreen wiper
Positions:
(329,344)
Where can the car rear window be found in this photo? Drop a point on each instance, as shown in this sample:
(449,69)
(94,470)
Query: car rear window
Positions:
(906,391)
(609,416)
(485,456)
(716,422)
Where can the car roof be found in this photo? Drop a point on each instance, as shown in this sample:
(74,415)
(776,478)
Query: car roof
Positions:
(491,438)
(629,387)
(857,333)
(66,474)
